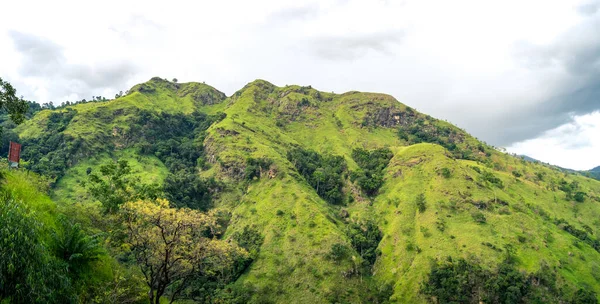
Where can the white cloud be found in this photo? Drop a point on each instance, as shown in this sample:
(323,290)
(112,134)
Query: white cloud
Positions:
(574,145)
(483,65)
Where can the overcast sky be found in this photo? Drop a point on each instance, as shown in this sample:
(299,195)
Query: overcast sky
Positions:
(518,74)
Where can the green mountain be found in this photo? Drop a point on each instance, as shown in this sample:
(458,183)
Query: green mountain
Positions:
(357,197)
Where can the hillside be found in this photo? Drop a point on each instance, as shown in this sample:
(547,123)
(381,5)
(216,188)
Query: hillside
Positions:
(356,197)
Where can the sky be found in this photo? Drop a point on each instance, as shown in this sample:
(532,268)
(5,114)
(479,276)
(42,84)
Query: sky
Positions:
(524,75)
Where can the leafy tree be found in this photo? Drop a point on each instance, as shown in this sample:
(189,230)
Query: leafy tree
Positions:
(584,296)
(254,166)
(461,281)
(171,249)
(249,239)
(116,186)
(74,247)
(339,252)
(9,102)
(186,189)
(323,173)
(579,197)
(365,238)
(372,164)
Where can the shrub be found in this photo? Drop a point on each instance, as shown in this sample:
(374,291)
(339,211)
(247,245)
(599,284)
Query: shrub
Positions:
(338,252)
(478,217)
(421,203)
(445,172)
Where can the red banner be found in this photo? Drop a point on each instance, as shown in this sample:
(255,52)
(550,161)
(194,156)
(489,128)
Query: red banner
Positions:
(14,152)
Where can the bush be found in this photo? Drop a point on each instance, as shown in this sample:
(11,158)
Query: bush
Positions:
(421,203)
(579,197)
(254,166)
(445,172)
(339,252)
(478,217)
(28,272)
(186,189)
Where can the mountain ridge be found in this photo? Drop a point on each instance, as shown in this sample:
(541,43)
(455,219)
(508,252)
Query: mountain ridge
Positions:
(429,188)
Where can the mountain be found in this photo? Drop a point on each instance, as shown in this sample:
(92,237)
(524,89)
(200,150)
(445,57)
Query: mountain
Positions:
(356,197)
(597,169)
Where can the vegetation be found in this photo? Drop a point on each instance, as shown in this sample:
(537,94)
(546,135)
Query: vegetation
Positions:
(372,164)
(323,173)
(365,238)
(170,249)
(461,281)
(261,177)
(15,107)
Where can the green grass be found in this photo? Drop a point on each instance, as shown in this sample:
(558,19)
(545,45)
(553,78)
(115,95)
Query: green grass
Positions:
(299,228)
(70,190)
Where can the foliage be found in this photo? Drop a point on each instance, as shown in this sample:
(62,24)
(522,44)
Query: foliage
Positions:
(445,172)
(491,178)
(170,248)
(73,246)
(249,239)
(28,272)
(176,139)
(478,217)
(186,189)
(578,233)
(53,152)
(116,186)
(9,102)
(421,202)
(365,238)
(323,173)
(254,167)
(338,252)
(460,281)
(372,164)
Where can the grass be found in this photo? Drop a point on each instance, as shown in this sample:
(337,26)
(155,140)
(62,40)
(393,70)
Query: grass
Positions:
(299,228)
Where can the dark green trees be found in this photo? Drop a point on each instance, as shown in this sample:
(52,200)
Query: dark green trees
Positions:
(322,172)
(365,238)
(372,164)
(187,189)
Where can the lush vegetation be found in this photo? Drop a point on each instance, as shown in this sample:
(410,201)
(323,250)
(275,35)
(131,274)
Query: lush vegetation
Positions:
(322,172)
(372,164)
(291,195)
(462,281)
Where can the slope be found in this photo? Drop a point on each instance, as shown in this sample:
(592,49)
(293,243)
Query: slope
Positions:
(476,200)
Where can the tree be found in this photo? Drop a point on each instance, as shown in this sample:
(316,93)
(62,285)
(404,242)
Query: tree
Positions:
(175,80)
(171,247)
(115,186)
(187,189)
(9,102)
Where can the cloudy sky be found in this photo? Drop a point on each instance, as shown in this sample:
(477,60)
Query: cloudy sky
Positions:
(518,74)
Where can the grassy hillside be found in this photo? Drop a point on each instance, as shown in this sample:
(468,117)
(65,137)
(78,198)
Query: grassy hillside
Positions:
(443,193)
